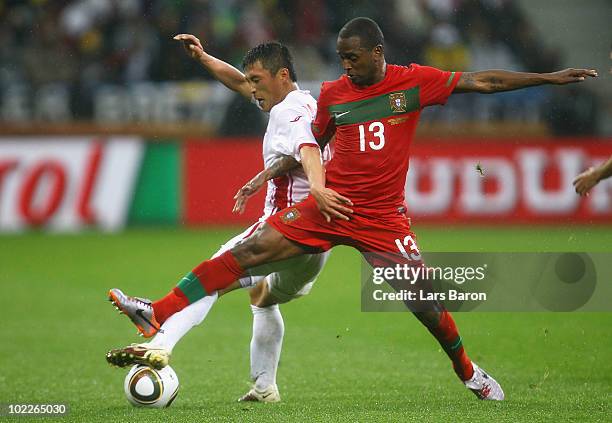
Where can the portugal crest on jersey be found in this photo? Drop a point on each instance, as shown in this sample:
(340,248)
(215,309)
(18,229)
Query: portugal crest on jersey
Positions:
(290,215)
(398,102)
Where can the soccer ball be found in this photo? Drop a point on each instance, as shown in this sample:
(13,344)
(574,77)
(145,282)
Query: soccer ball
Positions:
(147,387)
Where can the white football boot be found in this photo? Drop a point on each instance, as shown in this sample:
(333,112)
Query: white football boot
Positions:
(270,394)
(484,386)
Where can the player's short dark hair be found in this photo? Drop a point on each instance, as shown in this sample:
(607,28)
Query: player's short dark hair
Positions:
(366,29)
(273,57)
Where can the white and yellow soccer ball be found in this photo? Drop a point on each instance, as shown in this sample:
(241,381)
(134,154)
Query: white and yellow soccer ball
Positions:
(147,387)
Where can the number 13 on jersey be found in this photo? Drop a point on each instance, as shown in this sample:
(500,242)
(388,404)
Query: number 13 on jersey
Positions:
(376,130)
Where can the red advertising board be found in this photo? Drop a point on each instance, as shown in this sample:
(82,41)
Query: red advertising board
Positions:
(67,183)
(214,171)
(522,182)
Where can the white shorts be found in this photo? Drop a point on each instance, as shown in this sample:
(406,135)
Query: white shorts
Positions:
(286,279)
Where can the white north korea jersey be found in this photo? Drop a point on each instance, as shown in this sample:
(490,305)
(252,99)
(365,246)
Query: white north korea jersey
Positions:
(288,130)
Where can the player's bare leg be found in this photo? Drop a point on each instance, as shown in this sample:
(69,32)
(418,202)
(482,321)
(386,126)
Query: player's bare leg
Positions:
(266,245)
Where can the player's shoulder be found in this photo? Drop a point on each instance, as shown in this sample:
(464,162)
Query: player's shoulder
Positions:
(296,103)
(334,91)
(413,74)
(295,100)
(328,87)
(422,70)
(412,70)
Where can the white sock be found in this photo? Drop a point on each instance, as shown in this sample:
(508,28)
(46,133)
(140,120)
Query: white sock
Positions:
(268,331)
(180,323)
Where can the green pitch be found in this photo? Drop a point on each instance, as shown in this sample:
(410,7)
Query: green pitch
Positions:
(338,364)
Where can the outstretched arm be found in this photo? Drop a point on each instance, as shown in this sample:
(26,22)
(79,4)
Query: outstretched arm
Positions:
(223,72)
(591,177)
(493,81)
(279,167)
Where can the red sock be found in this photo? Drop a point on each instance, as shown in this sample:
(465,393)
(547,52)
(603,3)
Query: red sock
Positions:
(448,336)
(172,303)
(208,277)
(218,273)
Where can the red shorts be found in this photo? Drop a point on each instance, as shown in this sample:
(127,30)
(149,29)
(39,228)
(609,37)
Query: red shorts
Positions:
(386,232)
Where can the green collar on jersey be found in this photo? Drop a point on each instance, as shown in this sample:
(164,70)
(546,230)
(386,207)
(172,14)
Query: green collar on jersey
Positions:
(376,108)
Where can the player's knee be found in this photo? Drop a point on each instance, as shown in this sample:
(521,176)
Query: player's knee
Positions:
(265,301)
(261,296)
(255,293)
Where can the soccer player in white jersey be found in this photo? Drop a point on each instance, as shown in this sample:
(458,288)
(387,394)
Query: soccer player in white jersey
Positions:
(270,82)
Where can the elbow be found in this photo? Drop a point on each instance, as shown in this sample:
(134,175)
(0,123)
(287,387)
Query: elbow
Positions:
(495,85)
(486,84)
(486,88)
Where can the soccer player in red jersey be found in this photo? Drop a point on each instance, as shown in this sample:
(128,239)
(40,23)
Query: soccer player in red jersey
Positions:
(373,110)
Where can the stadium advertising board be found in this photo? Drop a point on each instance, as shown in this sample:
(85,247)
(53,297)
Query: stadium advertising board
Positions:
(214,171)
(75,183)
(502,182)
(455,181)
(67,183)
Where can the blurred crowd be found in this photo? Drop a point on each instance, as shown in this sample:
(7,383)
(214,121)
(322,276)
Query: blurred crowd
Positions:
(87,42)
(71,48)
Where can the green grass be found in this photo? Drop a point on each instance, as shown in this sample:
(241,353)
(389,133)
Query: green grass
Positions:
(338,364)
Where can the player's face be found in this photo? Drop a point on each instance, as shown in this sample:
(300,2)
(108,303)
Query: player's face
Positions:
(359,63)
(265,87)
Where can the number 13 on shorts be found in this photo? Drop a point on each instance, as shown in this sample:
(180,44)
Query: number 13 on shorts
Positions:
(408,247)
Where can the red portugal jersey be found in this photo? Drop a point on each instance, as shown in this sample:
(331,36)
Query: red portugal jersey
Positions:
(374,128)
